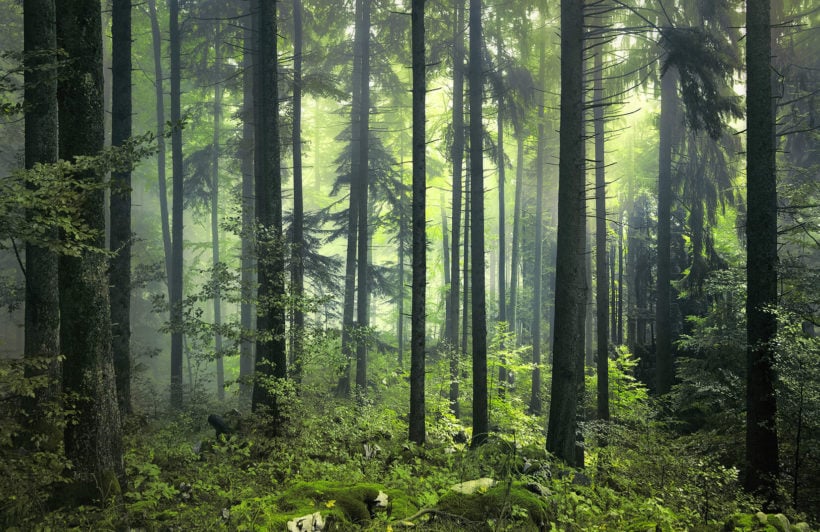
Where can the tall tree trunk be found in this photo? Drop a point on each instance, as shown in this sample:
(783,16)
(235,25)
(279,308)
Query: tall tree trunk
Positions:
(535,394)
(363,262)
(665,372)
(620,326)
(349,304)
(297,272)
(457,156)
(569,282)
(175,288)
(156,39)
(215,149)
(271,355)
(93,441)
(417,361)
(248,276)
(762,465)
(400,317)
(120,274)
(502,230)
(481,424)
(42,310)
(601,271)
(516,235)
(465,303)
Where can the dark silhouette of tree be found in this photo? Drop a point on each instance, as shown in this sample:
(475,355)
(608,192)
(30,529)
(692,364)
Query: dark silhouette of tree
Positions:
(457,159)
(271,355)
(42,312)
(175,288)
(93,440)
(762,462)
(570,297)
(297,267)
(417,355)
(120,274)
(481,422)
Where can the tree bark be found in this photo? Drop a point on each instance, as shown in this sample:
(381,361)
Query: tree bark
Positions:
(457,156)
(569,282)
(601,271)
(120,273)
(516,236)
(417,357)
(762,465)
(93,442)
(271,355)
(363,262)
(175,288)
(481,423)
(665,372)
(42,310)
(297,272)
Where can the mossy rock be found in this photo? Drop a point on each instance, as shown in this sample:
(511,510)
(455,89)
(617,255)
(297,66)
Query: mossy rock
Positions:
(502,501)
(343,507)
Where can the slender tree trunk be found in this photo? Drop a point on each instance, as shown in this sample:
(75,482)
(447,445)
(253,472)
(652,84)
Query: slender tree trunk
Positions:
(613,297)
(465,304)
(363,262)
(400,318)
(177,210)
(481,424)
(349,305)
(271,355)
(457,156)
(665,372)
(601,271)
(156,39)
(762,465)
(502,230)
(93,441)
(216,148)
(515,255)
(569,281)
(620,326)
(42,310)
(248,277)
(445,258)
(297,273)
(417,357)
(535,395)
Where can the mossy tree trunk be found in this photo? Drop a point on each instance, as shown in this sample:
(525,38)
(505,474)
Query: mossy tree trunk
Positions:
(93,442)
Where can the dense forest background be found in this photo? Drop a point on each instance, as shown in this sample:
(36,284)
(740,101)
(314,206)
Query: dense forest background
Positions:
(458,265)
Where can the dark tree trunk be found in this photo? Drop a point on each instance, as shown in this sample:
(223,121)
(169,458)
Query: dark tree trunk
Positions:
(465,303)
(215,149)
(481,422)
(535,394)
(42,311)
(349,305)
(248,276)
(417,362)
(601,272)
(42,298)
(762,465)
(363,262)
(665,372)
(93,441)
(271,356)
(569,278)
(620,326)
(400,299)
(297,272)
(457,156)
(120,273)
(175,283)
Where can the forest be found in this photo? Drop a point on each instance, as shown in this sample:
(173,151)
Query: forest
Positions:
(386,264)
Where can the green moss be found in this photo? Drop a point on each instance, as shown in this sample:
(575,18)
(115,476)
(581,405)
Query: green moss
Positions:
(503,501)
